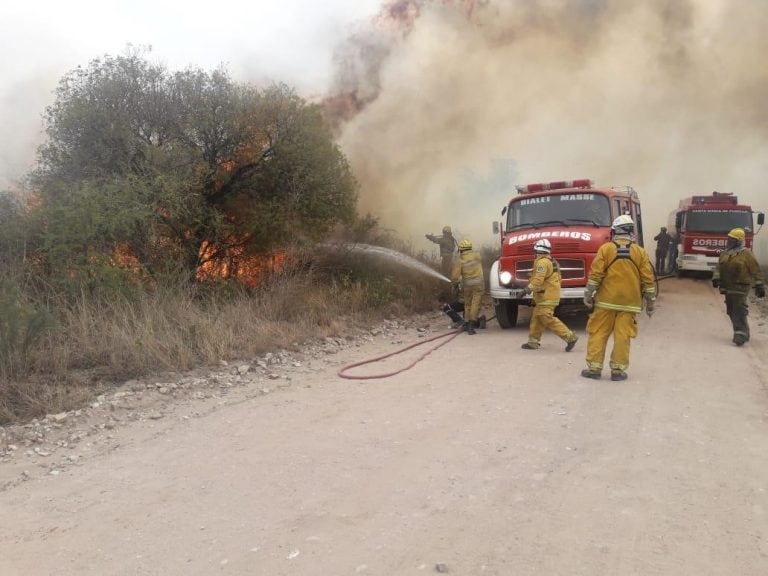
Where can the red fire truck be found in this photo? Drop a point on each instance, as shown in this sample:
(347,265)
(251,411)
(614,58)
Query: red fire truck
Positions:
(702,224)
(576,217)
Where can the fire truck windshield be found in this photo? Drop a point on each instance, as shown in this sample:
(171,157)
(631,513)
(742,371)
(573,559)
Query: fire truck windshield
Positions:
(717,220)
(564,209)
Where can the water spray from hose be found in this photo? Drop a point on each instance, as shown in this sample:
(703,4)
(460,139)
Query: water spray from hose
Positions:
(391,255)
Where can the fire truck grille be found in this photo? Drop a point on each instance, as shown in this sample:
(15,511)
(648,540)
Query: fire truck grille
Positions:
(570,269)
(557,246)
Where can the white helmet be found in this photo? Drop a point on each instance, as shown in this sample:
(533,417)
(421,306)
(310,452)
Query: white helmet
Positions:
(623,224)
(542,246)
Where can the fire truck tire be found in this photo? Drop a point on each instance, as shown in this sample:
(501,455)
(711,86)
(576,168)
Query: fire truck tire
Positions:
(506,313)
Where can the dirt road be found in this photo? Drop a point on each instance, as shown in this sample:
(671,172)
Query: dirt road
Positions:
(483,459)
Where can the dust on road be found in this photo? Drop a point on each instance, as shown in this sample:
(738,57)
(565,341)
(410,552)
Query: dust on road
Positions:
(483,459)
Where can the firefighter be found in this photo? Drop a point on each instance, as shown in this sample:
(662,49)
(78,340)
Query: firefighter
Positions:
(673,253)
(468,271)
(663,242)
(454,311)
(736,271)
(544,285)
(447,245)
(620,279)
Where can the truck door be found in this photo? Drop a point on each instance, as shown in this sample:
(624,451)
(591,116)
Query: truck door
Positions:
(637,216)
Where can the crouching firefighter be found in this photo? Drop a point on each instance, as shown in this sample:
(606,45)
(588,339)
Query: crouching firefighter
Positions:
(468,270)
(544,286)
(737,271)
(620,279)
(454,311)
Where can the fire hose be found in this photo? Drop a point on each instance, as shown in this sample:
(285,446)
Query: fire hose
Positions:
(450,335)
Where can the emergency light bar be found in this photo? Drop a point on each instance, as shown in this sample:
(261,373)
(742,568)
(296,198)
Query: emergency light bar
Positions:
(542,186)
(716,198)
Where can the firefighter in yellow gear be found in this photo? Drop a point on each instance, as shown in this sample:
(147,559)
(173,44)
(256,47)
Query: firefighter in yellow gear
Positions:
(737,271)
(620,279)
(468,270)
(544,286)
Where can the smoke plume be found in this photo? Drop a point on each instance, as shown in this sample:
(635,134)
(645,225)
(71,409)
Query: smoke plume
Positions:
(445,105)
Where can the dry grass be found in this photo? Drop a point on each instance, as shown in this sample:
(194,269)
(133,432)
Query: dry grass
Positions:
(109,340)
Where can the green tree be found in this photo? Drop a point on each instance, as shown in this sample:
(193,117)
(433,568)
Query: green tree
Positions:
(175,168)
(13,233)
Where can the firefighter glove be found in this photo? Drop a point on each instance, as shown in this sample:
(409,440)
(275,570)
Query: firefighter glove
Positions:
(716,282)
(650,306)
(760,291)
(589,300)
(527,290)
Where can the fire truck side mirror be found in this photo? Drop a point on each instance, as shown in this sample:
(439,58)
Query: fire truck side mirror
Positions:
(497,228)
(760,218)
(679,220)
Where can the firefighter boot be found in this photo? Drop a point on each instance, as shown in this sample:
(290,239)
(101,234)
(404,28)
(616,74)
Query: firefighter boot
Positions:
(618,375)
(481,322)
(571,343)
(739,339)
(593,374)
(471,328)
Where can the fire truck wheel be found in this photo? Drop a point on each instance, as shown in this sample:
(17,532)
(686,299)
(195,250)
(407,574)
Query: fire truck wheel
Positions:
(506,313)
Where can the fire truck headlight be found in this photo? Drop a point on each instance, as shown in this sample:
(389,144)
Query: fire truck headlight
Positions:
(505,277)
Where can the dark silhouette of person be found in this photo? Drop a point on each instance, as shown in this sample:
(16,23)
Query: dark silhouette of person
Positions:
(448,246)
(663,242)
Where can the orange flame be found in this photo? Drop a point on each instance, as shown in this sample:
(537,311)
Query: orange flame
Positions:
(235,264)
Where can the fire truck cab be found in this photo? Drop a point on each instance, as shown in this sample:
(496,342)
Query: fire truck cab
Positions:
(702,224)
(575,217)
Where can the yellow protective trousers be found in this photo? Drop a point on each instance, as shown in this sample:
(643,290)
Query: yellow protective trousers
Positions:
(543,318)
(602,323)
(473,300)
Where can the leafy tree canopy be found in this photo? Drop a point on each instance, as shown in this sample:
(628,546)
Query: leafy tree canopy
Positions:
(172,168)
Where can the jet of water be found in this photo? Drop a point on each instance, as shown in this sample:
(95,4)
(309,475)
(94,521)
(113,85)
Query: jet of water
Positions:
(394,256)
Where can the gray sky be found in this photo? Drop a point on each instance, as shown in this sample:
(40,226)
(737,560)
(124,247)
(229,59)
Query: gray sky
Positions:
(40,40)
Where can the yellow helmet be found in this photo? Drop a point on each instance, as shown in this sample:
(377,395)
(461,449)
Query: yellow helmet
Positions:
(465,245)
(446,229)
(737,234)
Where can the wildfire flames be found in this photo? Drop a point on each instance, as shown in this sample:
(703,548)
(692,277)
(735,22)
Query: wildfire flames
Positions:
(236,264)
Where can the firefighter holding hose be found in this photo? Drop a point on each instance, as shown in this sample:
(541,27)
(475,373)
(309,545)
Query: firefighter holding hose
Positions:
(468,270)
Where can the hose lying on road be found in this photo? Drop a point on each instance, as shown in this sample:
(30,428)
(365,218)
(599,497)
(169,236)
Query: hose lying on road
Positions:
(447,335)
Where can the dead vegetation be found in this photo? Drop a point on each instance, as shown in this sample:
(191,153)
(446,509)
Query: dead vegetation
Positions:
(97,341)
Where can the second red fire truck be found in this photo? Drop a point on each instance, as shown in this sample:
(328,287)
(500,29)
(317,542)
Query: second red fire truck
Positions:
(702,224)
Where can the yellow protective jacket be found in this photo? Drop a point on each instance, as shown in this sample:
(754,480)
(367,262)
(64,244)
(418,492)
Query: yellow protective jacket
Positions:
(545,281)
(621,275)
(737,271)
(468,269)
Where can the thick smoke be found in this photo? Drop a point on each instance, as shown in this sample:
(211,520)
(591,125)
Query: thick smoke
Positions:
(464,99)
